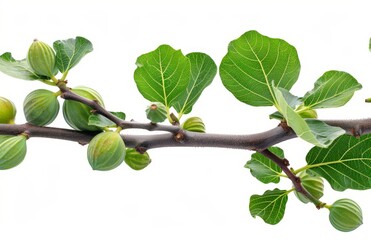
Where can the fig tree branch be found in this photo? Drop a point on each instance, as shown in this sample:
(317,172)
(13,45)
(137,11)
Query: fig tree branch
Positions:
(181,138)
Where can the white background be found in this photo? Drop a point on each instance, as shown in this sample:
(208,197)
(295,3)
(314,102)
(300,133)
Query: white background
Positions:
(189,193)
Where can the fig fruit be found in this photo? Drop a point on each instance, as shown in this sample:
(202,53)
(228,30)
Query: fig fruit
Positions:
(106,151)
(7,111)
(12,151)
(77,114)
(156,112)
(345,215)
(313,184)
(41,107)
(194,124)
(136,160)
(41,58)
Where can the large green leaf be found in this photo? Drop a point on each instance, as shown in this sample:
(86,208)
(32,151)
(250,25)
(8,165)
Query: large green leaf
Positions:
(332,89)
(311,130)
(346,164)
(17,68)
(270,206)
(162,75)
(264,169)
(203,71)
(69,52)
(253,61)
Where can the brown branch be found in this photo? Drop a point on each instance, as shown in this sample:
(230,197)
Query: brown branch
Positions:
(256,142)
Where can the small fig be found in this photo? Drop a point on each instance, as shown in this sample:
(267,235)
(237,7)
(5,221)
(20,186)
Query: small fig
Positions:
(41,107)
(12,151)
(77,114)
(156,112)
(136,160)
(7,111)
(41,58)
(313,184)
(106,151)
(345,215)
(306,112)
(194,124)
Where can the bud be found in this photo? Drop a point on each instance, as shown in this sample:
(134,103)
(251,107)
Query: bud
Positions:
(7,111)
(41,107)
(106,151)
(194,124)
(136,160)
(345,215)
(77,114)
(12,151)
(156,112)
(313,184)
(41,58)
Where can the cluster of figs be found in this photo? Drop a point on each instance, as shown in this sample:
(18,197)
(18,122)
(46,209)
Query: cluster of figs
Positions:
(106,150)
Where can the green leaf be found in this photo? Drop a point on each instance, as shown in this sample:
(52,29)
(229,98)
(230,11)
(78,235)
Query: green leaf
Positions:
(203,71)
(253,61)
(264,169)
(270,206)
(162,75)
(332,89)
(69,52)
(311,130)
(102,122)
(346,164)
(18,68)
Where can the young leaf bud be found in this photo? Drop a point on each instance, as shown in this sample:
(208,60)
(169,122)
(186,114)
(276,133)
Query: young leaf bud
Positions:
(345,215)
(156,112)
(41,107)
(7,111)
(194,124)
(136,160)
(12,151)
(313,184)
(41,58)
(106,151)
(77,114)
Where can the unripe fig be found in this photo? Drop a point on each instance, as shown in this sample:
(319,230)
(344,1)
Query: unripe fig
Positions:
(156,112)
(313,184)
(136,160)
(345,215)
(77,114)
(307,113)
(41,58)
(41,107)
(106,151)
(7,111)
(12,151)
(194,124)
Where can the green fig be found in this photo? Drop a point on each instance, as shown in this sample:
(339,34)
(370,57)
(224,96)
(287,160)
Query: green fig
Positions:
(41,58)
(136,160)
(305,112)
(7,111)
(77,114)
(194,124)
(345,215)
(313,184)
(12,151)
(41,107)
(106,151)
(156,112)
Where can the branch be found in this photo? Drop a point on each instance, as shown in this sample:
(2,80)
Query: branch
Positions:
(181,138)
